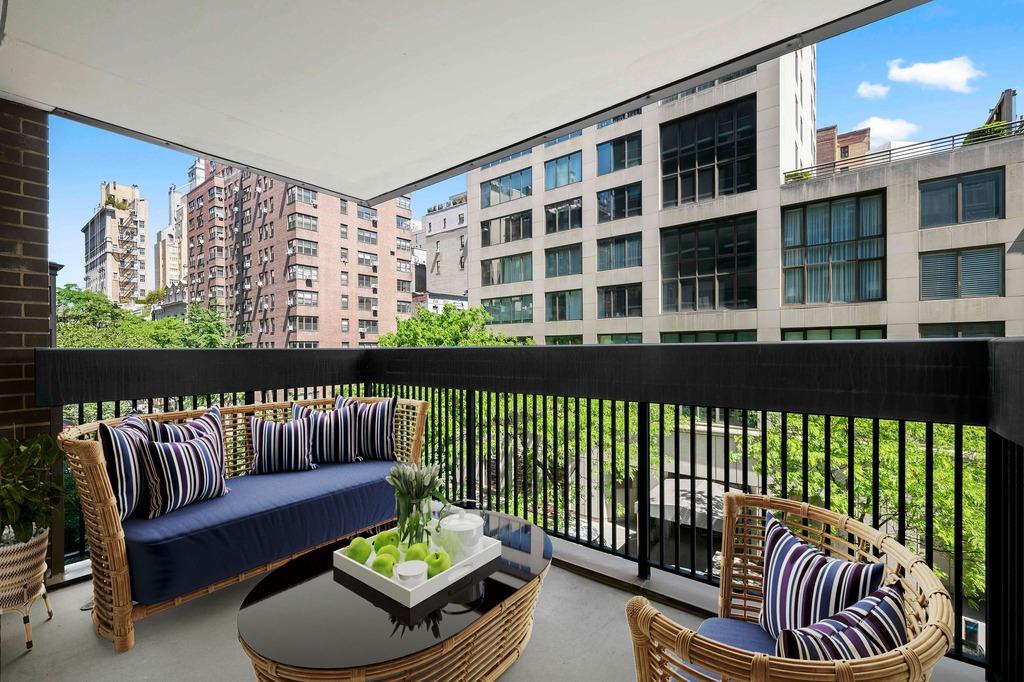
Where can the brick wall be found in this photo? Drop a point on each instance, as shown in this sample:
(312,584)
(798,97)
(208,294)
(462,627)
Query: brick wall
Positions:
(24,268)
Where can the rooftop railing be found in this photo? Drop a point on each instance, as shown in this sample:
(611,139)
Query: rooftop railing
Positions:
(991,132)
(627,450)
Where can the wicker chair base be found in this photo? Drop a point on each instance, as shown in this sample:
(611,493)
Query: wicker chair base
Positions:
(22,579)
(483,651)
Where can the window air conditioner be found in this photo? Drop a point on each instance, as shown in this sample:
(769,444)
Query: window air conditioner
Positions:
(291,328)
(374,288)
(291,251)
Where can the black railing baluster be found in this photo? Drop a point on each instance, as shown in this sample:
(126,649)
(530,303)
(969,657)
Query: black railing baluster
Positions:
(709,510)
(471,429)
(643,490)
(901,484)
(875,466)
(851,465)
(677,537)
(600,468)
(827,444)
(746,451)
(726,443)
(554,462)
(590,473)
(764,452)
(693,491)
(784,456)
(661,484)
(615,476)
(565,465)
(804,464)
(957,583)
(929,476)
(625,475)
(576,470)
(533,459)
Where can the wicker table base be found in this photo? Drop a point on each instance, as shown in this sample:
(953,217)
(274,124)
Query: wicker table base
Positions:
(482,651)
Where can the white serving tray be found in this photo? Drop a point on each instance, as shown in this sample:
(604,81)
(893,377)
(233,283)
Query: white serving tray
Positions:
(488,550)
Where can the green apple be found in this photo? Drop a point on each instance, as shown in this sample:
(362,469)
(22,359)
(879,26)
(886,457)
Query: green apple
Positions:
(358,550)
(417,552)
(384,564)
(384,538)
(437,562)
(391,551)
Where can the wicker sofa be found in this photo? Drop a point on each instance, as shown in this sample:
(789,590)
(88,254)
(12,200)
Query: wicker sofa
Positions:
(664,650)
(143,566)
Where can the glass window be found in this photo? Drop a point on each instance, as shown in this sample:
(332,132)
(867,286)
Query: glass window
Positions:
(508,228)
(563,305)
(365,236)
(619,252)
(565,170)
(709,337)
(967,273)
(962,330)
(620,338)
(619,202)
(710,153)
(834,334)
(623,300)
(509,309)
(565,215)
(564,340)
(962,198)
(304,247)
(710,265)
(302,221)
(506,188)
(516,268)
(834,251)
(564,260)
(622,152)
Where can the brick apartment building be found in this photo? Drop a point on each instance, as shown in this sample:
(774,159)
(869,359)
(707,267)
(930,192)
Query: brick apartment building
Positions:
(293,268)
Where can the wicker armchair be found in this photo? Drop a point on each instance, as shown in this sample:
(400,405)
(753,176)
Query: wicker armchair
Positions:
(114,614)
(664,650)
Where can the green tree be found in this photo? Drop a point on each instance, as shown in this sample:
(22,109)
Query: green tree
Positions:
(986,132)
(450,327)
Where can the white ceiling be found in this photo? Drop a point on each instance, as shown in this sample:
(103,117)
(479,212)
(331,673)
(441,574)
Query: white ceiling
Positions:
(365,97)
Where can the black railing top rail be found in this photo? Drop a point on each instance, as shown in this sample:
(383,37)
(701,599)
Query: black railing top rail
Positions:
(963,381)
(997,131)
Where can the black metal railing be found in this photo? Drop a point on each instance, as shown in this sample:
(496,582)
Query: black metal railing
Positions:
(995,131)
(629,449)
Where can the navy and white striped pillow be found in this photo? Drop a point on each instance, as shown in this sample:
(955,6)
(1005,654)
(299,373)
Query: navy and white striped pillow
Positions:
(124,448)
(280,446)
(802,585)
(207,425)
(376,425)
(333,432)
(872,626)
(183,472)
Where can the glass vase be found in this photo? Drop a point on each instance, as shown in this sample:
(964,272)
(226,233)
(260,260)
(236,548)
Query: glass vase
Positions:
(413,519)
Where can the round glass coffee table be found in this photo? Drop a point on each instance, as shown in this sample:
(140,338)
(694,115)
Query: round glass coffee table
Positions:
(308,621)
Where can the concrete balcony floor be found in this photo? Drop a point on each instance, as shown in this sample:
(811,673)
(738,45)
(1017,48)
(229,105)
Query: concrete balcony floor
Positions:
(580,633)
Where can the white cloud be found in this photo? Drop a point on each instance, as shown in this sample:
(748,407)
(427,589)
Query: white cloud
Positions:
(950,74)
(872,90)
(888,129)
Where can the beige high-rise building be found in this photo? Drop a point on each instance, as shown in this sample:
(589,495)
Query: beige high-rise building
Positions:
(115,244)
(685,221)
(169,253)
(442,238)
(294,268)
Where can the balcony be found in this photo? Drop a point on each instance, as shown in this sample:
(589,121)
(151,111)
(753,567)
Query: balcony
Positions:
(612,450)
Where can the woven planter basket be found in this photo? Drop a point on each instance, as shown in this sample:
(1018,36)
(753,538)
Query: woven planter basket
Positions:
(22,569)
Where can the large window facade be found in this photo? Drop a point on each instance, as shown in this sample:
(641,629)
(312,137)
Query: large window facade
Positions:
(507,228)
(620,338)
(516,268)
(563,305)
(965,273)
(834,334)
(565,170)
(619,202)
(622,152)
(621,300)
(834,251)
(506,188)
(564,260)
(709,337)
(962,330)
(565,215)
(962,198)
(710,265)
(619,252)
(564,340)
(710,153)
(509,309)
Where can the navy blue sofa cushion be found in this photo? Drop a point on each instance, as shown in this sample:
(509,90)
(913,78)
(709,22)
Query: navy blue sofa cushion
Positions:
(741,634)
(263,519)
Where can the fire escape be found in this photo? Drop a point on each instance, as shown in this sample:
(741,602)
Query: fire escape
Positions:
(128,243)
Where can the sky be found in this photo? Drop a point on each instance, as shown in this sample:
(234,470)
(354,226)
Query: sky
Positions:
(929,72)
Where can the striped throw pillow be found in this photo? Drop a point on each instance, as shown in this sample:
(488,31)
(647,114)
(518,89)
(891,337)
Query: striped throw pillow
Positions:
(376,425)
(280,447)
(207,425)
(183,472)
(872,626)
(333,432)
(124,447)
(802,585)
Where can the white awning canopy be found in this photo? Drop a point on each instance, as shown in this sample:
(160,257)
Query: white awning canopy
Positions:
(371,98)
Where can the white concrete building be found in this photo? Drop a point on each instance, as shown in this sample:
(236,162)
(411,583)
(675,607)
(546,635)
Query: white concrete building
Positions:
(115,244)
(442,238)
(170,255)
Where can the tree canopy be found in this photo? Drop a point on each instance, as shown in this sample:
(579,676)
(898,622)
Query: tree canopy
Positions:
(450,327)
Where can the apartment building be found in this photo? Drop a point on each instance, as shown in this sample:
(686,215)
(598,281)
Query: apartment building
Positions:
(170,257)
(442,237)
(834,146)
(591,237)
(700,218)
(293,268)
(115,244)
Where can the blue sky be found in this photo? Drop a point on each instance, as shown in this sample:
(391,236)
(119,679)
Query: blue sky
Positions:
(953,61)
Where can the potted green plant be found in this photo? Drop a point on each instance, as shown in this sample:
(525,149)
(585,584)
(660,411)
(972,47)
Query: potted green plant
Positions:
(28,495)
